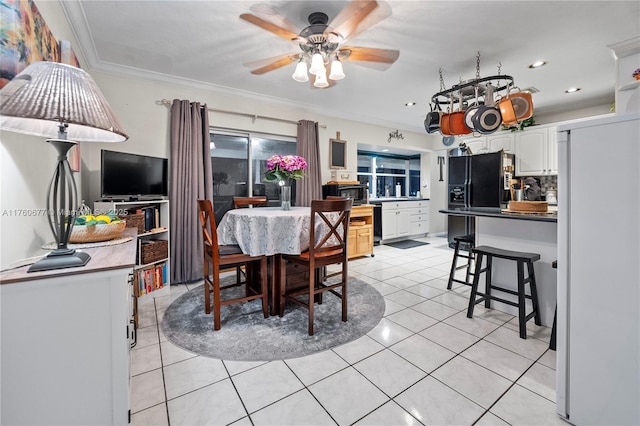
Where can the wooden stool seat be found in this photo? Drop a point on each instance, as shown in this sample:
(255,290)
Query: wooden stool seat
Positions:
(465,243)
(522,259)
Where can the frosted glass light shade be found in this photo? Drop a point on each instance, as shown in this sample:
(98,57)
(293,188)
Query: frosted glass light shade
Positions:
(300,73)
(317,64)
(47,94)
(321,80)
(337,72)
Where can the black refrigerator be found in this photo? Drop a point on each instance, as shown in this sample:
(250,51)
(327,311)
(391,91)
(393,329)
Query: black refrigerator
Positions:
(479,180)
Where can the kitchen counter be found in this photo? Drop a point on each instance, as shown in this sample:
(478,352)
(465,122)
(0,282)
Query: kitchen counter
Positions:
(551,216)
(386,199)
(532,233)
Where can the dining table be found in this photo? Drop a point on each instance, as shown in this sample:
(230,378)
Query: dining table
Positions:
(271,232)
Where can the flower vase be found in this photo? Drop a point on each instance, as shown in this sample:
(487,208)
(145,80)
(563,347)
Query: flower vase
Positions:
(285,195)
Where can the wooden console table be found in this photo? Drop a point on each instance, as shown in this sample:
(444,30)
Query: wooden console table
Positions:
(65,341)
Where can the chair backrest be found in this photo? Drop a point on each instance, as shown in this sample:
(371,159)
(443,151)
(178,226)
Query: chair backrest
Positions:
(241,202)
(208,223)
(333,215)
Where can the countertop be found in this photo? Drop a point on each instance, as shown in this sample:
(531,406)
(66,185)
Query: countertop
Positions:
(386,199)
(102,258)
(551,216)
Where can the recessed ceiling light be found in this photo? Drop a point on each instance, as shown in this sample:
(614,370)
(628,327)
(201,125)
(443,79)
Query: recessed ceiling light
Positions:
(410,104)
(572,90)
(385,150)
(537,64)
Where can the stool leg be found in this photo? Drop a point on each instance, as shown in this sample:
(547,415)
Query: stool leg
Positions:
(534,293)
(474,286)
(454,263)
(521,302)
(469,261)
(487,282)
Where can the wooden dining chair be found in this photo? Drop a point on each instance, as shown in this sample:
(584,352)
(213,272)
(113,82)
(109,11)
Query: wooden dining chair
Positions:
(242,202)
(245,202)
(327,248)
(215,256)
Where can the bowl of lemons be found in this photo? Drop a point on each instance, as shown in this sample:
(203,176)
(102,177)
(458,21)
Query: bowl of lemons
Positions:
(92,229)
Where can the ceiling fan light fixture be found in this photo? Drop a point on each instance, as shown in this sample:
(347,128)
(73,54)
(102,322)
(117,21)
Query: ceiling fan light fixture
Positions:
(317,64)
(321,79)
(337,73)
(300,73)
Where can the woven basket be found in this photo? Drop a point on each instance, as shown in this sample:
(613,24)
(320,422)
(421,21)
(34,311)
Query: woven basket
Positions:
(96,233)
(153,251)
(136,220)
(528,206)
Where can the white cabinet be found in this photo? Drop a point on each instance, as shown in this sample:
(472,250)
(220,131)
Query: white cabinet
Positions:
(494,142)
(65,342)
(404,218)
(536,151)
(419,218)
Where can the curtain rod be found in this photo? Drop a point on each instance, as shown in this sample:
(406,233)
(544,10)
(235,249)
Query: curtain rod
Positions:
(253,117)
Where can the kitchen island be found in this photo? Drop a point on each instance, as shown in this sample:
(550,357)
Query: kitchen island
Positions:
(527,232)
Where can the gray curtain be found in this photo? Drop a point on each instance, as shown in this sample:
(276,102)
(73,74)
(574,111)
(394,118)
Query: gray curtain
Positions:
(190,177)
(310,187)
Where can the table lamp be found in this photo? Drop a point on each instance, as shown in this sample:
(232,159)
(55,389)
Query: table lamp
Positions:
(48,99)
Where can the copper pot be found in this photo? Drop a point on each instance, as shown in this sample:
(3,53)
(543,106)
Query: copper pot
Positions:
(456,121)
(445,123)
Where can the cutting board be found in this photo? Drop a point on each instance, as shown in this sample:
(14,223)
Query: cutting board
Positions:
(528,206)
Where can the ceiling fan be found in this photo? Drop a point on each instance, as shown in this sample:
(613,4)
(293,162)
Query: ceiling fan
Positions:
(322,43)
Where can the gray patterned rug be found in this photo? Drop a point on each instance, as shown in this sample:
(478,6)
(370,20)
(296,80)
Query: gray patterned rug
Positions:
(247,336)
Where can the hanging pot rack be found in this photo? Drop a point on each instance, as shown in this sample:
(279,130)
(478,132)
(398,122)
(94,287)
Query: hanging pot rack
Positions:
(467,89)
(470,89)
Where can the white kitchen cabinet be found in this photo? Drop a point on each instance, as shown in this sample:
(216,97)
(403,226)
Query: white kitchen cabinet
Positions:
(404,218)
(65,341)
(536,151)
(494,142)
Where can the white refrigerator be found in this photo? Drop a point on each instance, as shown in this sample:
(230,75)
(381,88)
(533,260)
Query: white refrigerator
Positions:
(598,323)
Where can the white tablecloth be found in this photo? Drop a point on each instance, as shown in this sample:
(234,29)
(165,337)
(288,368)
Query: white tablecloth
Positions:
(267,230)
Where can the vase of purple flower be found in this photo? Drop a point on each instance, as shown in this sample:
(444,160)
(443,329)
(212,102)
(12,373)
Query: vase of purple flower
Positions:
(284,168)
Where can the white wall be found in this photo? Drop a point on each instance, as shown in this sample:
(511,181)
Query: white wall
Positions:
(26,166)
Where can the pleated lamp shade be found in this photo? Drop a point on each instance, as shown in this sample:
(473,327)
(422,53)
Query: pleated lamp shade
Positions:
(47,94)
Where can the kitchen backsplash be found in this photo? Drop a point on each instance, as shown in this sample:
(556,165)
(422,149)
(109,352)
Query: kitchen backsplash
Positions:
(549,183)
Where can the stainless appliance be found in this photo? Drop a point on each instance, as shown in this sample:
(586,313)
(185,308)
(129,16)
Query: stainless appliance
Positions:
(479,180)
(358,193)
(598,326)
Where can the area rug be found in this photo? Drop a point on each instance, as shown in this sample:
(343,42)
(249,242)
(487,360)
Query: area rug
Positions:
(406,244)
(247,336)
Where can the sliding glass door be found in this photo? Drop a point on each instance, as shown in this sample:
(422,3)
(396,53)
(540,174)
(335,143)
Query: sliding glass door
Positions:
(238,163)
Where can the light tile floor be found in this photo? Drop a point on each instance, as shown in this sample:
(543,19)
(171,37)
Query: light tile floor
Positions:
(425,363)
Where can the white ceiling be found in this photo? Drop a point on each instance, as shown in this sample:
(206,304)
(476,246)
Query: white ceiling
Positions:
(206,42)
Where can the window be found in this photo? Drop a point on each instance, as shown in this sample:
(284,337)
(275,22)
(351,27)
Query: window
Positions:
(383,172)
(238,164)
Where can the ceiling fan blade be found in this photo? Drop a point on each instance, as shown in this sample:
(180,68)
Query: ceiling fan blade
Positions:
(266,25)
(270,64)
(368,54)
(359,15)
(271,14)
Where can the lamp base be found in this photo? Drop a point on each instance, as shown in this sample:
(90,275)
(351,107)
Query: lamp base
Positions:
(61,259)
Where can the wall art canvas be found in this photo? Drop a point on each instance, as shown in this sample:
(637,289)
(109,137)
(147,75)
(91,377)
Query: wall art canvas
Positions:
(24,38)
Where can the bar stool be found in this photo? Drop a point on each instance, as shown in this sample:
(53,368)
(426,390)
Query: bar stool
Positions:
(521,259)
(552,342)
(465,243)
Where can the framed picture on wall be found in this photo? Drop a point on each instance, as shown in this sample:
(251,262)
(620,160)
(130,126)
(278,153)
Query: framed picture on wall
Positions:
(337,153)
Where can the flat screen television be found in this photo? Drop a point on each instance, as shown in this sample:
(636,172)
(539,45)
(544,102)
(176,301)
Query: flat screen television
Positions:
(133,176)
